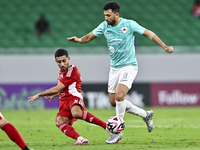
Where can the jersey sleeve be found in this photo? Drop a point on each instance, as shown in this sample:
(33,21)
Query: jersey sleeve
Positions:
(98,30)
(136,27)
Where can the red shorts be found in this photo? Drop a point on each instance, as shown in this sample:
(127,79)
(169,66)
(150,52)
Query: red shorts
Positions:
(65,108)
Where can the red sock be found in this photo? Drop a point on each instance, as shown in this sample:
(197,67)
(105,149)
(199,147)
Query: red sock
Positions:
(93,119)
(13,134)
(68,130)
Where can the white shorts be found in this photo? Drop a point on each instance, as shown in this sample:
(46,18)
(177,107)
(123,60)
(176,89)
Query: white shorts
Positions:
(124,75)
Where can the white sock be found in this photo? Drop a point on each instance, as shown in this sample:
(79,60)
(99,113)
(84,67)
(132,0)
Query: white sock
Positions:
(130,108)
(79,138)
(120,108)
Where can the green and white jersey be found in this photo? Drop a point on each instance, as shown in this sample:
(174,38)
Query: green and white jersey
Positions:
(120,41)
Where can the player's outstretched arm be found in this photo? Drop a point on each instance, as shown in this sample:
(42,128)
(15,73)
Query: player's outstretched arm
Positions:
(54,90)
(85,39)
(152,36)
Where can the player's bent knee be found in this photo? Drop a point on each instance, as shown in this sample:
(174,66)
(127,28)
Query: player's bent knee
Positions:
(77,114)
(57,124)
(76,111)
(119,97)
(2,121)
(61,120)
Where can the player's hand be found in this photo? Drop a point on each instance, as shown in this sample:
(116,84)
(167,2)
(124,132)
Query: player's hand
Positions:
(74,39)
(169,49)
(49,97)
(32,98)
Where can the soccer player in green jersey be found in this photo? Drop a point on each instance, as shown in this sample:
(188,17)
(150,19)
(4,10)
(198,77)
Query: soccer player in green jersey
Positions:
(119,33)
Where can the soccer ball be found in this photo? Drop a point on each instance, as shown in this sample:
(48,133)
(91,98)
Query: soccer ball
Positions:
(115,124)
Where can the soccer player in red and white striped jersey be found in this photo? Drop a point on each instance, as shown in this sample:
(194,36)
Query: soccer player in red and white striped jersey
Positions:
(71,104)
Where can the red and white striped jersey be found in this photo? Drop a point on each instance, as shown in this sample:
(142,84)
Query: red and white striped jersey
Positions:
(71,78)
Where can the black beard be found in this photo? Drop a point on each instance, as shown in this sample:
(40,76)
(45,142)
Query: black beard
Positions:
(113,23)
(63,69)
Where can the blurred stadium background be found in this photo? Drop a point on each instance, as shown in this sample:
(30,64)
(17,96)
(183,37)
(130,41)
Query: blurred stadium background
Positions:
(27,64)
(171,20)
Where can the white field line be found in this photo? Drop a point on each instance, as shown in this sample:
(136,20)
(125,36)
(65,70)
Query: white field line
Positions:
(164,119)
(165,126)
(192,126)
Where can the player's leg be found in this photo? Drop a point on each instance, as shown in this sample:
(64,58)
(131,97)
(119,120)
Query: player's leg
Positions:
(12,133)
(130,108)
(112,86)
(126,105)
(114,138)
(79,113)
(64,124)
(126,79)
(118,86)
(146,115)
(112,99)
(119,99)
(122,105)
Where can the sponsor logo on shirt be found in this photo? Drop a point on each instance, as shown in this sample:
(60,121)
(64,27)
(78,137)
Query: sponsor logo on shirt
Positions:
(112,50)
(122,50)
(115,41)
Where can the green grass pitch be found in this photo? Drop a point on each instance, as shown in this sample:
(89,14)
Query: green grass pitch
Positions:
(176,128)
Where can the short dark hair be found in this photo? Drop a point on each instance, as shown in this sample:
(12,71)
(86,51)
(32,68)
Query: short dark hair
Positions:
(61,52)
(114,6)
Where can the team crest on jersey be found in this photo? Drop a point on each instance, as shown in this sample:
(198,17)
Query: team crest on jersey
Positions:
(124,29)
